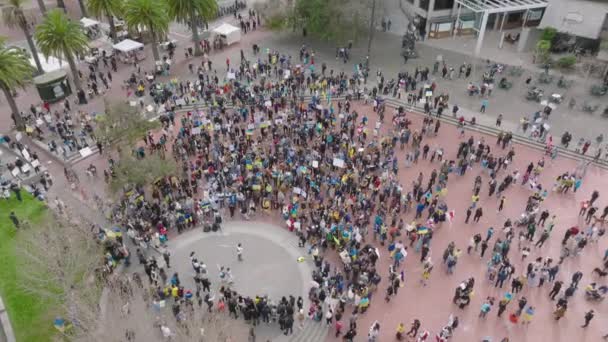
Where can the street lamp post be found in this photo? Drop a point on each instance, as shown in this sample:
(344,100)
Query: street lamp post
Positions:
(371,31)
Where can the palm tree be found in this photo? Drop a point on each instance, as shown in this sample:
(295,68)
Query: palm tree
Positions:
(60,37)
(14,16)
(42,6)
(150,15)
(15,71)
(83,8)
(191,11)
(109,8)
(61,4)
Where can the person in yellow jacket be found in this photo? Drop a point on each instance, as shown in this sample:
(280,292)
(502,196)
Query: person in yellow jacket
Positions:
(400,331)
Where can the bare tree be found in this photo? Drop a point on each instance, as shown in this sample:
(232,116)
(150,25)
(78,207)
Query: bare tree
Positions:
(133,312)
(63,262)
(122,124)
(131,171)
(60,262)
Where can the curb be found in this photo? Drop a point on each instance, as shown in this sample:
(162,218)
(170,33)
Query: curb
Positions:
(489,130)
(6,323)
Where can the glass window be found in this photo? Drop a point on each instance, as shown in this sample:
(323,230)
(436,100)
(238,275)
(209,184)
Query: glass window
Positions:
(424,4)
(444,4)
(514,17)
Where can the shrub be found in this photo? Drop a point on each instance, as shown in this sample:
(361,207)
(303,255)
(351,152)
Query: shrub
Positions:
(542,51)
(566,62)
(548,34)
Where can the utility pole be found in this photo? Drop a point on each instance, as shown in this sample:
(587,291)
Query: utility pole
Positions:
(371,31)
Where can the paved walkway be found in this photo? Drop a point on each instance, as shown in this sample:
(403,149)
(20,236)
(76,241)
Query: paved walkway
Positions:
(270,265)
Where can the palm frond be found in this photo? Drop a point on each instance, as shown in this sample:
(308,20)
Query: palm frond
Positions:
(15,68)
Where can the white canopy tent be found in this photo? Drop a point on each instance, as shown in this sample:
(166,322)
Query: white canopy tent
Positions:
(49,64)
(128,45)
(231,34)
(86,22)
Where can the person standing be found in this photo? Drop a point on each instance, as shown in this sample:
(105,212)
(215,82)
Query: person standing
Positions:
(527,316)
(239,252)
(484,105)
(502,306)
(486,307)
(484,247)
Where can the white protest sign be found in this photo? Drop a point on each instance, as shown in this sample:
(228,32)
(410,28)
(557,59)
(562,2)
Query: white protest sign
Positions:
(85,152)
(338,163)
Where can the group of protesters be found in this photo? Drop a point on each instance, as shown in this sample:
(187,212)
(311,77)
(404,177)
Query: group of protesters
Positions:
(290,138)
(259,146)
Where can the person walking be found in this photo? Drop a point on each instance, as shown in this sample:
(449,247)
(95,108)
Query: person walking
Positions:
(468,215)
(576,278)
(555,290)
(478,214)
(166,257)
(560,311)
(501,203)
(588,317)
(543,237)
(374,332)
(400,331)
(14,219)
(486,307)
(414,328)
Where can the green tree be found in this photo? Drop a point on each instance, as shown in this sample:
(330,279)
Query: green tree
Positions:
(543,47)
(548,34)
(13,16)
(149,15)
(60,37)
(191,11)
(336,21)
(15,71)
(109,9)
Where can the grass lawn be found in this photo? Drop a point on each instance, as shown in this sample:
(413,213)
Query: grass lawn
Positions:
(29,314)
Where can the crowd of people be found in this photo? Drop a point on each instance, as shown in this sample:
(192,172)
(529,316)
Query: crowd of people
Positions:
(288,138)
(259,146)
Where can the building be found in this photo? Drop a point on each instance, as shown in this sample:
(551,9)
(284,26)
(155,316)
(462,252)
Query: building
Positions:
(581,18)
(442,18)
